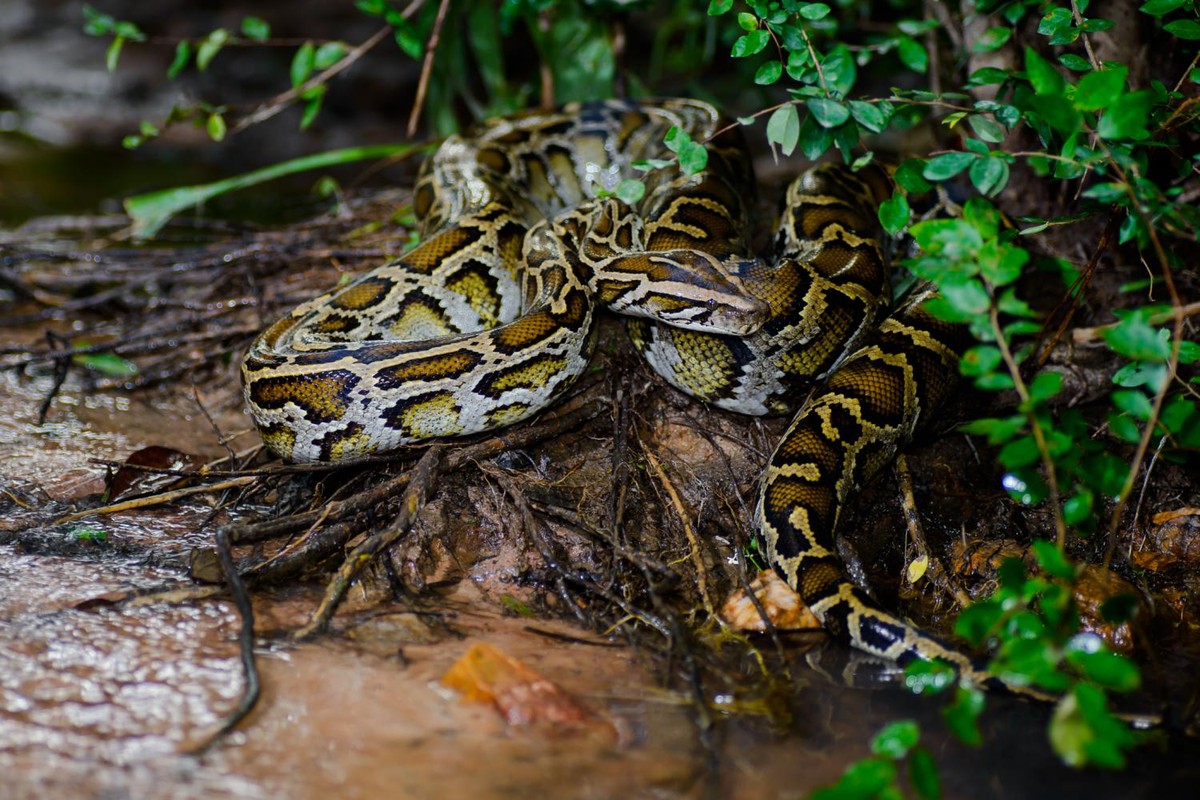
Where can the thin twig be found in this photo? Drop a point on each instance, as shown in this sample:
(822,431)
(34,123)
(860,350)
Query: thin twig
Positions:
(252,686)
(1085,335)
(1087,41)
(157,499)
(221,438)
(427,67)
(424,475)
(908,502)
(281,101)
(688,530)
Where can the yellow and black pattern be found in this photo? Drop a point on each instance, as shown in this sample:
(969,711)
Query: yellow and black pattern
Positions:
(489,320)
(842,437)
(826,288)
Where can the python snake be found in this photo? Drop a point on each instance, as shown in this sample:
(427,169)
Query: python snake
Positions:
(490,319)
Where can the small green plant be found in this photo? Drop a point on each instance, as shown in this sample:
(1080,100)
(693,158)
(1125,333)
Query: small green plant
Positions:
(89,533)
(897,754)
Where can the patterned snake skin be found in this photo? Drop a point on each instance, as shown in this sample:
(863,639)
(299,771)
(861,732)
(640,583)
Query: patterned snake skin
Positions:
(489,320)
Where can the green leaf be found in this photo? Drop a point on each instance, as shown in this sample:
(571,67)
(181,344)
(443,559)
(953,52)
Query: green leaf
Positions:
(909,176)
(962,716)
(951,238)
(718,7)
(768,73)
(302,63)
(113,53)
(977,621)
(985,76)
(407,39)
(840,70)
(974,145)
(814,140)
(328,54)
(1109,670)
(1052,560)
(89,533)
(97,23)
(992,39)
(209,48)
(1138,373)
(987,129)
(1134,403)
(1069,732)
(1106,192)
(989,175)
(1157,8)
(894,213)
(1184,29)
(312,105)
(1057,112)
(1019,453)
(979,360)
(797,64)
(896,739)
(982,216)
(216,127)
(783,128)
(869,115)
(828,113)
(1044,78)
(996,429)
(255,29)
(947,165)
(1124,428)
(912,54)
(1136,339)
(108,364)
(631,191)
(750,44)
(1078,507)
(746,21)
(1098,90)
(923,773)
(693,158)
(1045,385)
(1083,731)
(814,11)
(1075,63)
(150,211)
(183,54)
(1126,118)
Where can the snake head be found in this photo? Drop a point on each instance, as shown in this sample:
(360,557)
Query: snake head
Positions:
(687,289)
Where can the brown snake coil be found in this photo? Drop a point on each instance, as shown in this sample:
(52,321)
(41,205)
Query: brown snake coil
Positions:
(490,318)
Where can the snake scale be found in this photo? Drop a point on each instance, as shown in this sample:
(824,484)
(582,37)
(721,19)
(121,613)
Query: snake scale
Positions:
(489,320)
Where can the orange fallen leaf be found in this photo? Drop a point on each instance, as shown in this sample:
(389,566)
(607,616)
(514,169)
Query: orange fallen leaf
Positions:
(1167,516)
(487,675)
(782,605)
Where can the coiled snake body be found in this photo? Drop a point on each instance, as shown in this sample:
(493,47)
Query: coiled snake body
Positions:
(454,338)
